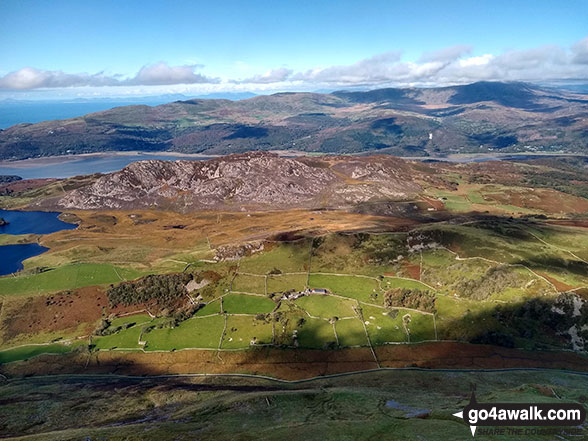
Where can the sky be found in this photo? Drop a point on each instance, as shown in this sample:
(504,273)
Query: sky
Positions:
(104,48)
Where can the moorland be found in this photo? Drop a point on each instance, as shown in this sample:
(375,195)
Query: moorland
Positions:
(198,291)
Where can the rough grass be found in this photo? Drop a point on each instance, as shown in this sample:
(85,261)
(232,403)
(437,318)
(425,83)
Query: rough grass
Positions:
(346,408)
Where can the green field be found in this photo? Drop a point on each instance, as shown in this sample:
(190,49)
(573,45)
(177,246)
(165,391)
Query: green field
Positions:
(247,283)
(351,333)
(359,288)
(30,351)
(493,262)
(124,339)
(209,308)
(285,257)
(134,319)
(246,304)
(202,332)
(396,282)
(66,277)
(383,326)
(287,282)
(241,332)
(326,306)
(316,333)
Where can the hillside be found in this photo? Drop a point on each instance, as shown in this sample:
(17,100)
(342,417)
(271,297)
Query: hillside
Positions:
(479,117)
(255,180)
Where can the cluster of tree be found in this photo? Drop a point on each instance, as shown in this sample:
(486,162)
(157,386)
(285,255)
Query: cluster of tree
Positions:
(105,328)
(35,270)
(495,280)
(423,300)
(165,290)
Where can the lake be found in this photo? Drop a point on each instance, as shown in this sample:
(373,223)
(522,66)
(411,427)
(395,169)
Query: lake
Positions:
(32,222)
(12,256)
(26,222)
(67,166)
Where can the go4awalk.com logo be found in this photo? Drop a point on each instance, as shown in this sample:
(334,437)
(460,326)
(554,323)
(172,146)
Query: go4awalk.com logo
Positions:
(499,415)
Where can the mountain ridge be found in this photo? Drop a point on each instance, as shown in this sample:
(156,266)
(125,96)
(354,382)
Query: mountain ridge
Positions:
(474,118)
(246,181)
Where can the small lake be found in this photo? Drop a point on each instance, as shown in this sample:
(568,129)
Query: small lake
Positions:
(67,166)
(26,222)
(32,222)
(12,256)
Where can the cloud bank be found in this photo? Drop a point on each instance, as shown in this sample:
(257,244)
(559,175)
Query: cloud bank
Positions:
(451,65)
(149,75)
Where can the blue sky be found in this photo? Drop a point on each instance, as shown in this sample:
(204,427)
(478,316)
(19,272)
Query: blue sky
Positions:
(142,47)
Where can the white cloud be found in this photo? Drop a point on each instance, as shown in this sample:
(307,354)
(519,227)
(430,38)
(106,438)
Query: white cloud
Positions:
(154,74)
(451,65)
(476,61)
(271,76)
(370,70)
(580,51)
(31,78)
(162,74)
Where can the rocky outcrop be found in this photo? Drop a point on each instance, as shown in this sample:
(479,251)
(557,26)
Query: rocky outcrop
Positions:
(257,180)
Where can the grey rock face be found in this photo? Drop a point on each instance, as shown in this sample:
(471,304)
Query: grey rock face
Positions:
(257,180)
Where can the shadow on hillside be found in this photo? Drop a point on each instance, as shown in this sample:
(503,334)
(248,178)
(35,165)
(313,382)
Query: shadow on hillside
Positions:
(537,324)
(514,231)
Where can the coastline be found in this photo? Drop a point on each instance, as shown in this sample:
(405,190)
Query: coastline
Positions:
(49,160)
(458,157)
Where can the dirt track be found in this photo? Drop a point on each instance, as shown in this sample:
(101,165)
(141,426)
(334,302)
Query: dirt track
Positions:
(297,364)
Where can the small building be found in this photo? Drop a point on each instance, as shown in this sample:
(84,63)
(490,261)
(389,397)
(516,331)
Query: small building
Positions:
(318,291)
(293,295)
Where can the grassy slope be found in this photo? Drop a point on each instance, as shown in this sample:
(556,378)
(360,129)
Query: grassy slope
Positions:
(349,408)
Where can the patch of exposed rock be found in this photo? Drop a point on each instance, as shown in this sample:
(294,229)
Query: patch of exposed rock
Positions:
(257,180)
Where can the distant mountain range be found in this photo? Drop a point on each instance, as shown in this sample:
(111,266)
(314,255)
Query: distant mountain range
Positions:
(474,118)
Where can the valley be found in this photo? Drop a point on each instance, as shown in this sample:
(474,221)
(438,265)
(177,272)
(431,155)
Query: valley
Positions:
(459,258)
